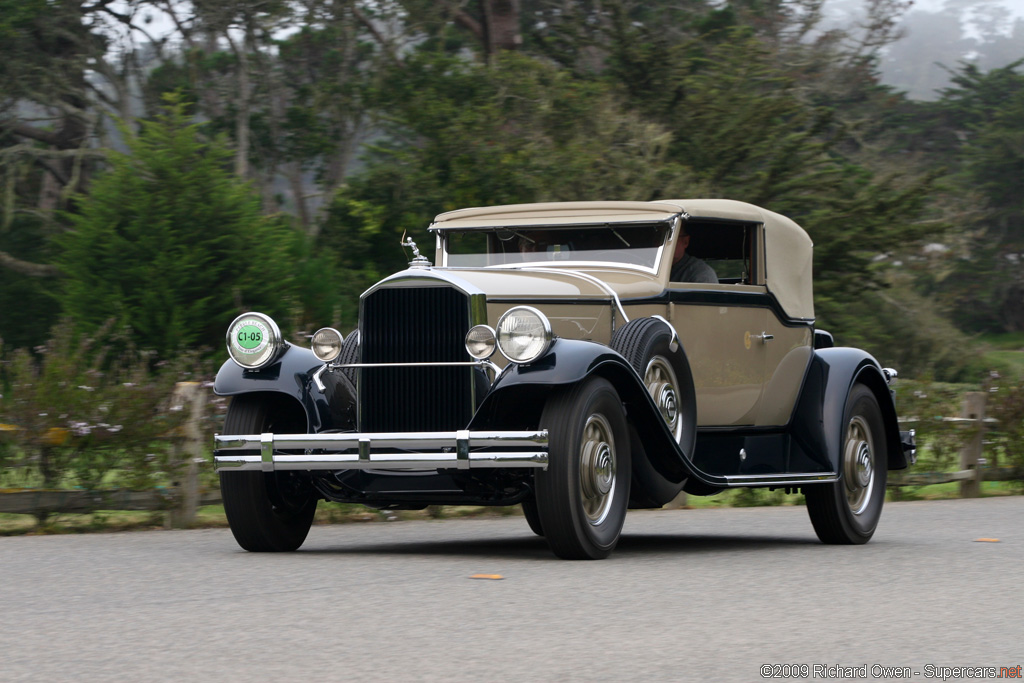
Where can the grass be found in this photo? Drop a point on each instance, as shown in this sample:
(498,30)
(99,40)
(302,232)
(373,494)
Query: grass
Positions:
(212,516)
(1006,351)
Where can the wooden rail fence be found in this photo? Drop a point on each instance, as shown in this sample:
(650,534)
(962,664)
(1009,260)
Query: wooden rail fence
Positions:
(973,467)
(190,444)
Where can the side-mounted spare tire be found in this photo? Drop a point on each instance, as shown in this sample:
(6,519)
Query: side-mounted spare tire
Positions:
(649,345)
(350,354)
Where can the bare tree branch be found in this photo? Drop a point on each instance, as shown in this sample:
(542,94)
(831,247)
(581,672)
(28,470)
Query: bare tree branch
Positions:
(466,21)
(377,35)
(31,132)
(34,152)
(185,33)
(53,169)
(27,268)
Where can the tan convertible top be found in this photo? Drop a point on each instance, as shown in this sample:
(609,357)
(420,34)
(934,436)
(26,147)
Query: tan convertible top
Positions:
(788,249)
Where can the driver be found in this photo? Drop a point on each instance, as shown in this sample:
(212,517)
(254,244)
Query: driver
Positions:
(686,268)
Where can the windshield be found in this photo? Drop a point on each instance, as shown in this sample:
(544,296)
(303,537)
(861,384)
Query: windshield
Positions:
(632,244)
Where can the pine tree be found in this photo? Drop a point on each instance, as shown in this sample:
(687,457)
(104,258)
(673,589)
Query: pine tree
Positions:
(172,244)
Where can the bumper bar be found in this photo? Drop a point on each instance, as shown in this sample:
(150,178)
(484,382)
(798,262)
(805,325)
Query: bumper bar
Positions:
(462,449)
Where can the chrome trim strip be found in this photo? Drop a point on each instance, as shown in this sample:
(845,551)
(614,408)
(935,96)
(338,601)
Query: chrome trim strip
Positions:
(416,449)
(604,286)
(477,309)
(673,343)
(573,265)
(781,479)
(419,278)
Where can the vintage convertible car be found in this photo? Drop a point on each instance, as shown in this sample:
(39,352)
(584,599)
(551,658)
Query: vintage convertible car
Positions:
(613,386)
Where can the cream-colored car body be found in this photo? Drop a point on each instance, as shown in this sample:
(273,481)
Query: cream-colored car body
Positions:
(747,357)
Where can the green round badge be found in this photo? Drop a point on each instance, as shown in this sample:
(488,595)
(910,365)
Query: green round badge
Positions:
(250,336)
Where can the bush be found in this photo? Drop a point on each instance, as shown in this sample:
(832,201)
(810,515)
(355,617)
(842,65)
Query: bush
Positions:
(172,244)
(86,412)
(1006,404)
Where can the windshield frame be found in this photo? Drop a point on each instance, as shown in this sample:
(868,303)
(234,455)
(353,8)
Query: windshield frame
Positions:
(444,233)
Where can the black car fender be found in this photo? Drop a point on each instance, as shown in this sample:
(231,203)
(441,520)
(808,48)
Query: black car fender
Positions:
(516,400)
(293,375)
(817,422)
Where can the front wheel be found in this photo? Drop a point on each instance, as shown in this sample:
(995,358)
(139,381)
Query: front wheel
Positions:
(533,517)
(583,494)
(267,512)
(847,511)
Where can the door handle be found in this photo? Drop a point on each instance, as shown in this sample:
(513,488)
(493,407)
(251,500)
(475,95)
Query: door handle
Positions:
(764,337)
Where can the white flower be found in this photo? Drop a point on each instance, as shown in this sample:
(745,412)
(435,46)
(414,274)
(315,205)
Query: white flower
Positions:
(87,388)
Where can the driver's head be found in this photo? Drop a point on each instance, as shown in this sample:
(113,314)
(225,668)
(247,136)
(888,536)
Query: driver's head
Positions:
(682,242)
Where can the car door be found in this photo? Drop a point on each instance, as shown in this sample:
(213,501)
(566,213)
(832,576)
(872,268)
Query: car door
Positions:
(727,358)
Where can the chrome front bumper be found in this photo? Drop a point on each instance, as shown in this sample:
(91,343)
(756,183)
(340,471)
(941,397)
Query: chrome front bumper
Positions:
(352,451)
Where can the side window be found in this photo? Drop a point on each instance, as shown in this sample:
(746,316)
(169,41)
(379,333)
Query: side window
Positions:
(730,249)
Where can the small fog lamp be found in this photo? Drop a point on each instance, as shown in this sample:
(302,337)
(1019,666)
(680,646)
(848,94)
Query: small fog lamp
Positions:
(480,342)
(326,344)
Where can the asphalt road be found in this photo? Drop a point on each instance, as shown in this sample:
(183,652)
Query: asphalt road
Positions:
(708,595)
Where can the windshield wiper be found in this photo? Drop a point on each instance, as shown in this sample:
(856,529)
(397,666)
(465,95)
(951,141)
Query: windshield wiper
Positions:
(621,238)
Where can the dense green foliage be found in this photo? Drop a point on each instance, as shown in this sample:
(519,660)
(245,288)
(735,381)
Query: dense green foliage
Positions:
(172,245)
(328,130)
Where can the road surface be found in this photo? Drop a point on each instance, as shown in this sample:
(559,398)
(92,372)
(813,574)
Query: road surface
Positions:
(704,595)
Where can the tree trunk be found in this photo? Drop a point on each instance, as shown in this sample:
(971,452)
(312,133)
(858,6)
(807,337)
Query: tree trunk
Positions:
(501,25)
(241,104)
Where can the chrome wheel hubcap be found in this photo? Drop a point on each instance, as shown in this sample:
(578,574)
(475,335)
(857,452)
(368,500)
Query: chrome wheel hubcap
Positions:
(661,382)
(858,464)
(597,468)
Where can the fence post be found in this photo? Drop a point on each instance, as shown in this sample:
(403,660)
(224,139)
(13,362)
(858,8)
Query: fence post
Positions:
(973,409)
(188,451)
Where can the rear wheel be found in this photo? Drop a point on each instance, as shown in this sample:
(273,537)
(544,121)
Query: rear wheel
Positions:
(847,511)
(583,494)
(267,512)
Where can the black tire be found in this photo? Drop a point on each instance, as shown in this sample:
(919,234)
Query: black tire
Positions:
(350,354)
(646,343)
(267,512)
(533,517)
(847,511)
(583,494)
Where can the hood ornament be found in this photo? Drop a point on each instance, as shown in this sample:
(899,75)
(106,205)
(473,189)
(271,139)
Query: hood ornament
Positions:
(418,260)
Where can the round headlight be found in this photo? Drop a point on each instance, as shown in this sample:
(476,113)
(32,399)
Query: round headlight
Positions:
(480,342)
(254,340)
(326,344)
(524,334)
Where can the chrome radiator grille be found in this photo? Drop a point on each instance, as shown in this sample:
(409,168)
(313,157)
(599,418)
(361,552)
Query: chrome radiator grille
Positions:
(414,325)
